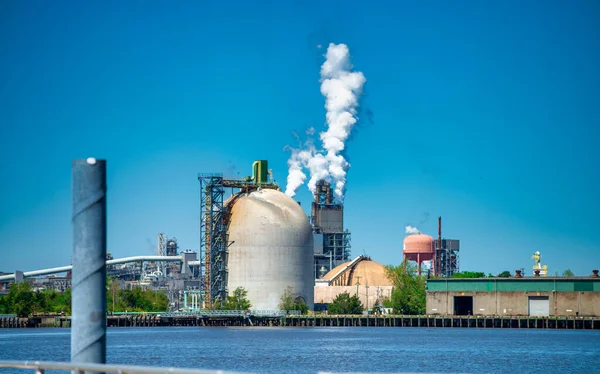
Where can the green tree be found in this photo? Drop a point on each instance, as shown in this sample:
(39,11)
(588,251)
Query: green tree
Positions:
(159,301)
(137,300)
(112,294)
(505,274)
(387,303)
(4,307)
(46,301)
(21,299)
(65,305)
(345,304)
(288,302)
(568,273)
(408,296)
(469,274)
(237,300)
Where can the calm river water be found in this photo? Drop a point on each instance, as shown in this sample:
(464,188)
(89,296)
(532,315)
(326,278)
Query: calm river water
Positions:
(310,350)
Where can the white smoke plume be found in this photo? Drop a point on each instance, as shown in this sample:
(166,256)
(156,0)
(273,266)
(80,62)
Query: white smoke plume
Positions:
(411,230)
(296,176)
(341,88)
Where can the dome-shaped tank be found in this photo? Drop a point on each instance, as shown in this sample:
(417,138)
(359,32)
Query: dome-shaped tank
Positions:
(366,272)
(418,243)
(271,249)
(419,248)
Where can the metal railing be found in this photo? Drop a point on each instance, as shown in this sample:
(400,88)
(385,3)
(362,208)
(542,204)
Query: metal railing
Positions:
(41,366)
(8,315)
(213,313)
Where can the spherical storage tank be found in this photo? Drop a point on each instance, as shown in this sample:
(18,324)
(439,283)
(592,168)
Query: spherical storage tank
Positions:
(419,248)
(271,249)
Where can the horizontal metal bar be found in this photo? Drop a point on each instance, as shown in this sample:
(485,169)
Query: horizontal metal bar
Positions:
(64,269)
(40,366)
(208,175)
(144,258)
(102,368)
(215,313)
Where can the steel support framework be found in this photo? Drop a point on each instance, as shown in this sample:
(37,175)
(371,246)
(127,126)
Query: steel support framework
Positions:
(213,238)
(214,241)
(337,244)
(336,251)
(162,244)
(447,262)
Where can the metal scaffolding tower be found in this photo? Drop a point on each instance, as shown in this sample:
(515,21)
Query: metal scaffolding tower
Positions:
(162,244)
(445,263)
(447,258)
(213,238)
(337,247)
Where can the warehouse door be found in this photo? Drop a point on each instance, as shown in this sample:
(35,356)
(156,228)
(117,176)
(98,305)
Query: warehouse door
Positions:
(463,305)
(539,306)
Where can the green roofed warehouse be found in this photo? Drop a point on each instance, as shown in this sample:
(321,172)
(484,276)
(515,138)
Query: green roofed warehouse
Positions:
(516,296)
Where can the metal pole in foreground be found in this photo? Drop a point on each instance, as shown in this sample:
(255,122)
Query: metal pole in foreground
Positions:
(88,308)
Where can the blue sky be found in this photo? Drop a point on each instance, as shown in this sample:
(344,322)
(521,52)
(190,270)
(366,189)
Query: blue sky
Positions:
(486,113)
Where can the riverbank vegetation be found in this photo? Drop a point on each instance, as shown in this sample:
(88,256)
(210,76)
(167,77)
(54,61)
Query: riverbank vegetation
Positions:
(290,303)
(138,300)
(345,304)
(408,296)
(24,301)
(238,300)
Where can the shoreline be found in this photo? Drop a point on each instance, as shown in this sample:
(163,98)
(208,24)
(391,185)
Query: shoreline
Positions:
(526,322)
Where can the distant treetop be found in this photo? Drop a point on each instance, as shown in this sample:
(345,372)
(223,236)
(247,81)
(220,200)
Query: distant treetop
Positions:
(469,274)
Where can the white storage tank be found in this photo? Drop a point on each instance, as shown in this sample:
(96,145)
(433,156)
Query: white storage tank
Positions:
(271,249)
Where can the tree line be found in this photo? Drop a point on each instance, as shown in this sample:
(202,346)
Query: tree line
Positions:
(407,298)
(23,301)
(504,274)
(238,300)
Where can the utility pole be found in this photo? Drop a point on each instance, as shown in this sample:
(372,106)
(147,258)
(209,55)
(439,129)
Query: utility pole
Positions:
(114,286)
(367,287)
(357,284)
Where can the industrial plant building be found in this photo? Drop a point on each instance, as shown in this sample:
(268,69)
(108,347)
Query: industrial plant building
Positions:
(516,296)
(362,277)
(259,239)
(331,241)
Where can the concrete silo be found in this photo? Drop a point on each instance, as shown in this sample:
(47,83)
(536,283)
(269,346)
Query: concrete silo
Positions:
(271,248)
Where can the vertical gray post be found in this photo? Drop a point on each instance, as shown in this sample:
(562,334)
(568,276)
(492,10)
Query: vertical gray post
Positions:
(88,323)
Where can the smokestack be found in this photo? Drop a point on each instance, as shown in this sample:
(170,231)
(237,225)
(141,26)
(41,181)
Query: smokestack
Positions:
(437,264)
(439,232)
